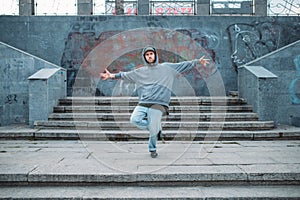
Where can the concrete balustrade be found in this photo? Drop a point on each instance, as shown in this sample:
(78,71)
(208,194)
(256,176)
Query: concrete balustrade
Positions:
(45,88)
(256,84)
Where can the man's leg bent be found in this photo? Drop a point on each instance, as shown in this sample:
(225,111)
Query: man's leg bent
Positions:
(138,117)
(154,119)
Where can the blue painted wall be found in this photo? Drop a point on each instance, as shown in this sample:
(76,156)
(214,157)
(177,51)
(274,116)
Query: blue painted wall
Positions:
(66,41)
(15,68)
(231,41)
(280,100)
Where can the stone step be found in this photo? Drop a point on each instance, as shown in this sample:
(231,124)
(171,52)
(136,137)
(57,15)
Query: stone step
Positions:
(150,175)
(103,135)
(107,125)
(278,133)
(171,117)
(180,135)
(90,173)
(278,192)
(187,100)
(186,114)
(172,109)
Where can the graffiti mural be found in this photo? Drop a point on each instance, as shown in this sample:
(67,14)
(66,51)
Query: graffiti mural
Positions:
(82,39)
(294,87)
(79,43)
(251,41)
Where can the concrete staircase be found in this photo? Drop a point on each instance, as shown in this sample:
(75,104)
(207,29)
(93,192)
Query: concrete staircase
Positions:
(216,148)
(191,118)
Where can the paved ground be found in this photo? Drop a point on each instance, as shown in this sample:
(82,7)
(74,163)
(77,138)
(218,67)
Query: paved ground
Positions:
(133,157)
(77,161)
(95,157)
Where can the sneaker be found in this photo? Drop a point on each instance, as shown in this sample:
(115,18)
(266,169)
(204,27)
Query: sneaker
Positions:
(153,154)
(160,137)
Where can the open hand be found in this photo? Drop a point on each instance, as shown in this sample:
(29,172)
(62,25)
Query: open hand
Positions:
(204,61)
(105,75)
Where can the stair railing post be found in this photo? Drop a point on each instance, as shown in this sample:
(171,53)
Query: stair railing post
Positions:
(256,85)
(46,87)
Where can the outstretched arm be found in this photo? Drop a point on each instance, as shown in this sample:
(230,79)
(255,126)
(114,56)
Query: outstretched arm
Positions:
(106,75)
(129,76)
(187,65)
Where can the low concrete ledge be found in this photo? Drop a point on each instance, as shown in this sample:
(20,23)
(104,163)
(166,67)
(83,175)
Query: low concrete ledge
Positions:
(258,86)
(281,132)
(46,87)
(289,192)
(254,174)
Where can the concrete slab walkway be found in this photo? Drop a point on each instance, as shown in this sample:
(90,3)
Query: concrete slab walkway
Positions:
(191,162)
(79,169)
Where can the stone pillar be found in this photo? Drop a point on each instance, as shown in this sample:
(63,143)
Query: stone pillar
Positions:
(46,87)
(26,7)
(143,7)
(85,7)
(258,86)
(119,7)
(261,8)
(203,7)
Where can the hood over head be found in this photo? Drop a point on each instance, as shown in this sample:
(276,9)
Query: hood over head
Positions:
(149,48)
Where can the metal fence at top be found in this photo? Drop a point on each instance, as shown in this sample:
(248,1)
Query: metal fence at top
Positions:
(187,7)
(283,7)
(175,7)
(55,7)
(217,7)
(232,7)
(157,7)
(129,7)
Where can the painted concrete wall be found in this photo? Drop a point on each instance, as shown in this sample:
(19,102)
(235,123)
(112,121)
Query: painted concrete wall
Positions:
(116,41)
(276,99)
(15,67)
(230,41)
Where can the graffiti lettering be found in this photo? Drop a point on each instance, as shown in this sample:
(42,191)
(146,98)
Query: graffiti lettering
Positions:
(10,99)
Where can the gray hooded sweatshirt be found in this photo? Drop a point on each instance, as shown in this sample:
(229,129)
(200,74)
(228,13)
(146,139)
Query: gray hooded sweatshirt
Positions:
(154,81)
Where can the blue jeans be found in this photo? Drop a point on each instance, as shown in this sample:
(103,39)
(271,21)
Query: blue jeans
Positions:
(148,119)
